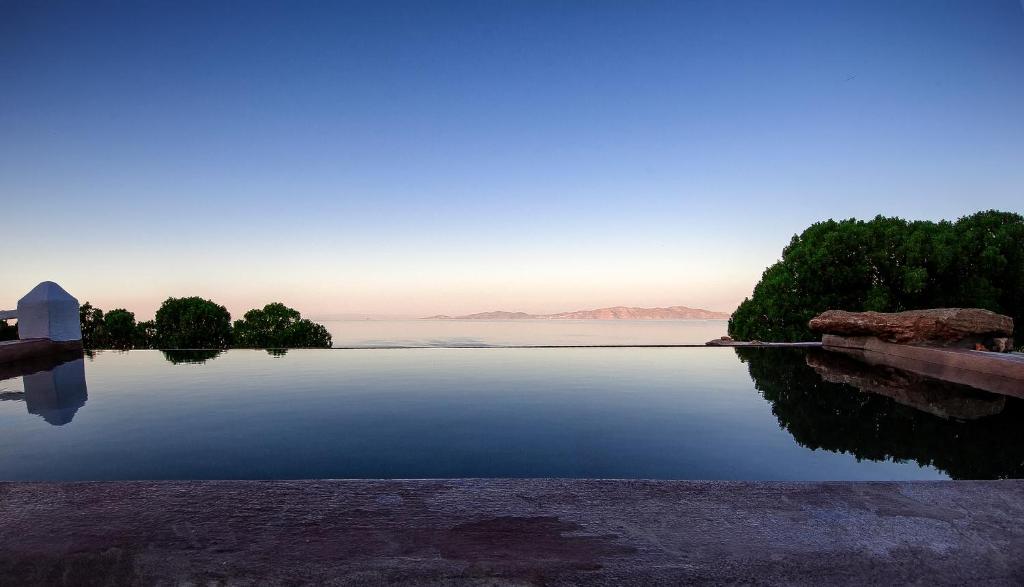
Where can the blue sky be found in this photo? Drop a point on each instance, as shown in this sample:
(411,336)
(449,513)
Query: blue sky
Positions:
(430,157)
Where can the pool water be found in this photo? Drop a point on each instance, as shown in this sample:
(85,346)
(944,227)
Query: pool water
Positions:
(664,413)
(503,333)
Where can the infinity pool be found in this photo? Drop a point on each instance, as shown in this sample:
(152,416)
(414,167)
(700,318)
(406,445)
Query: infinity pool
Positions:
(665,413)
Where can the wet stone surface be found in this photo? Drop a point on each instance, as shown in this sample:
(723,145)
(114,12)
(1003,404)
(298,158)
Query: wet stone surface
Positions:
(499,531)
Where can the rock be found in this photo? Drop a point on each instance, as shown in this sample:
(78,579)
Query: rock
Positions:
(1002,345)
(722,341)
(960,327)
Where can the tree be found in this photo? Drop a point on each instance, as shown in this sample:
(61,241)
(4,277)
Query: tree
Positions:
(145,335)
(888,265)
(192,323)
(8,331)
(119,329)
(278,326)
(91,320)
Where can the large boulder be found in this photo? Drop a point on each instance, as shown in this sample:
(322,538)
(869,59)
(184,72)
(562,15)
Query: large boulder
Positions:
(961,327)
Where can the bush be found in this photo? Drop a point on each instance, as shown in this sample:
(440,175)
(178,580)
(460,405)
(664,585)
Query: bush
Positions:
(91,320)
(145,335)
(888,265)
(119,329)
(192,323)
(195,323)
(278,326)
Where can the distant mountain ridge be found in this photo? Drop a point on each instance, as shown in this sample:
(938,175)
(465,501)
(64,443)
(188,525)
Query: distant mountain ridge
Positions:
(613,313)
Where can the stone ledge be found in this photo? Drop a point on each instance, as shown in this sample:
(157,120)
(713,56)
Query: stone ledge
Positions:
(31,349)
(503,531)
(971,328)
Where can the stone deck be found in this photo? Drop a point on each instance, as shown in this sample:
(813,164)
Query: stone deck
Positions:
(510,532)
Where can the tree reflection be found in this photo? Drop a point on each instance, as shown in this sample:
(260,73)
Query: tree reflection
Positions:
(839,417)
(191,356)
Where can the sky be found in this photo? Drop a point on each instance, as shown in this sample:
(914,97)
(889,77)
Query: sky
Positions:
(419,158)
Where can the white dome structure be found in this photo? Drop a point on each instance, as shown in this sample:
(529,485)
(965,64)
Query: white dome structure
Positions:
(49,312)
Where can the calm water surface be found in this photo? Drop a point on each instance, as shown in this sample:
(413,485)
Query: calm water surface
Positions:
(491,333)
(678,413)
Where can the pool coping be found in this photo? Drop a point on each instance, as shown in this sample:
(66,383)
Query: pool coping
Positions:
(511,531)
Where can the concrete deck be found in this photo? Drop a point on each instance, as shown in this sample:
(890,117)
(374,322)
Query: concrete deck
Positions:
(510,532)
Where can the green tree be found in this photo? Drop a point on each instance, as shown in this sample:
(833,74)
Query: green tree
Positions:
(91,320)
(889,265)
(119,329)
(145,335)
(192,323)
(278,326)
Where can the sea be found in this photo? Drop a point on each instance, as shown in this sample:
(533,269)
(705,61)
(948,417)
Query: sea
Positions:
(518,333)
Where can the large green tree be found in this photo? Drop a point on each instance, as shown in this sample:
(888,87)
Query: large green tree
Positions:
(119,329)
(278,326)
(888,265)
(192,323)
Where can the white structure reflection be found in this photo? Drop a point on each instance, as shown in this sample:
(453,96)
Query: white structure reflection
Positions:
(56,395)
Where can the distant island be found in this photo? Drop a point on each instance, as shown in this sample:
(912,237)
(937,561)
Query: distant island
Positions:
(615,313)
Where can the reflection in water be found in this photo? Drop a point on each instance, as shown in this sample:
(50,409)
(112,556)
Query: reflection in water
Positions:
(57,394)
(191,356)
(501,333)
(453,413)
(54,394)
(940,398)
(277,352)
(890,415)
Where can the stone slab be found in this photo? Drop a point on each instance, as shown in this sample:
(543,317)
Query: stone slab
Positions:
(36,350)
(945,327)
(511,532)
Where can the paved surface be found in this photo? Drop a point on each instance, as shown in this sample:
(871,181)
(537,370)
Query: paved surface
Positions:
(510,532)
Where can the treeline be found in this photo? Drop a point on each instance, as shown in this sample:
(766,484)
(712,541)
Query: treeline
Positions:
(888,265)
(195,323)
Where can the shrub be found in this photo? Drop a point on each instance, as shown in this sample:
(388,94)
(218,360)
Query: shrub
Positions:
(192,323)
(278,326)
